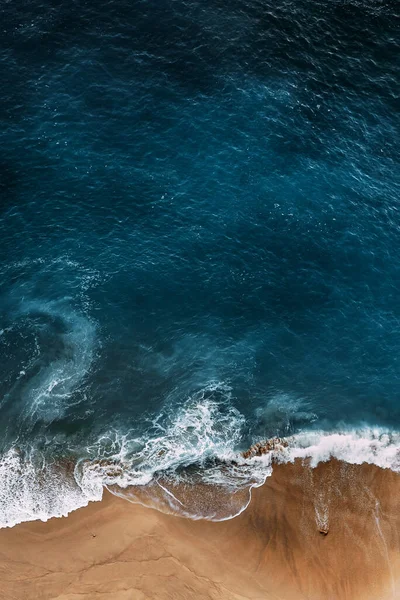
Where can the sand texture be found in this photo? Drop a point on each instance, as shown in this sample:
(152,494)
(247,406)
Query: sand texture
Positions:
(329,533)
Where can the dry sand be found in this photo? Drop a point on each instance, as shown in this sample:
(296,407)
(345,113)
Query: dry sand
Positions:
(115,550)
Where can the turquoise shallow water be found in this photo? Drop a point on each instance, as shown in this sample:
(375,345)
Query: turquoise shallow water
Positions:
(199,233)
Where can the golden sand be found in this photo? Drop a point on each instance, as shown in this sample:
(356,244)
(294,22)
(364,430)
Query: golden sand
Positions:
(329,533)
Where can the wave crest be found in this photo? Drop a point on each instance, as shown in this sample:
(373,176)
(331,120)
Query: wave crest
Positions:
(187,463)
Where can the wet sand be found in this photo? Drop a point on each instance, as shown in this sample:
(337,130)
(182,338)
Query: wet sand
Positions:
(329,533)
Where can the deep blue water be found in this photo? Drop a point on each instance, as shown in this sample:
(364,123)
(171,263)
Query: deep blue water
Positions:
(199,225)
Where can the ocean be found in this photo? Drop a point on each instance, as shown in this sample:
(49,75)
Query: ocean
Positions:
(199,244)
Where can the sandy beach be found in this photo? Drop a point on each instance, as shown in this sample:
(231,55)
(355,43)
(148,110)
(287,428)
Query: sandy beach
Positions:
(327,533)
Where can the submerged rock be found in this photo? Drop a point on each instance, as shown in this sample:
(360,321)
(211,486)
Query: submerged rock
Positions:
(261,448)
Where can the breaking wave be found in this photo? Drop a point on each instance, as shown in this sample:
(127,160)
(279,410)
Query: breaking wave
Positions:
(189,462)
(33,488)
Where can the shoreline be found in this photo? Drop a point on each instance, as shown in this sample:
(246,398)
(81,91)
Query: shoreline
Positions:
(332,532)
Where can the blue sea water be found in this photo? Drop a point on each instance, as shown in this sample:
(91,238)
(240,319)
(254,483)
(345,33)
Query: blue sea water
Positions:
(199,240)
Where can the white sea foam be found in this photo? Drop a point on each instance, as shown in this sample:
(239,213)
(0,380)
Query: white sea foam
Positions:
(199,430)
(377,446)
(31,490)
(202,429)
